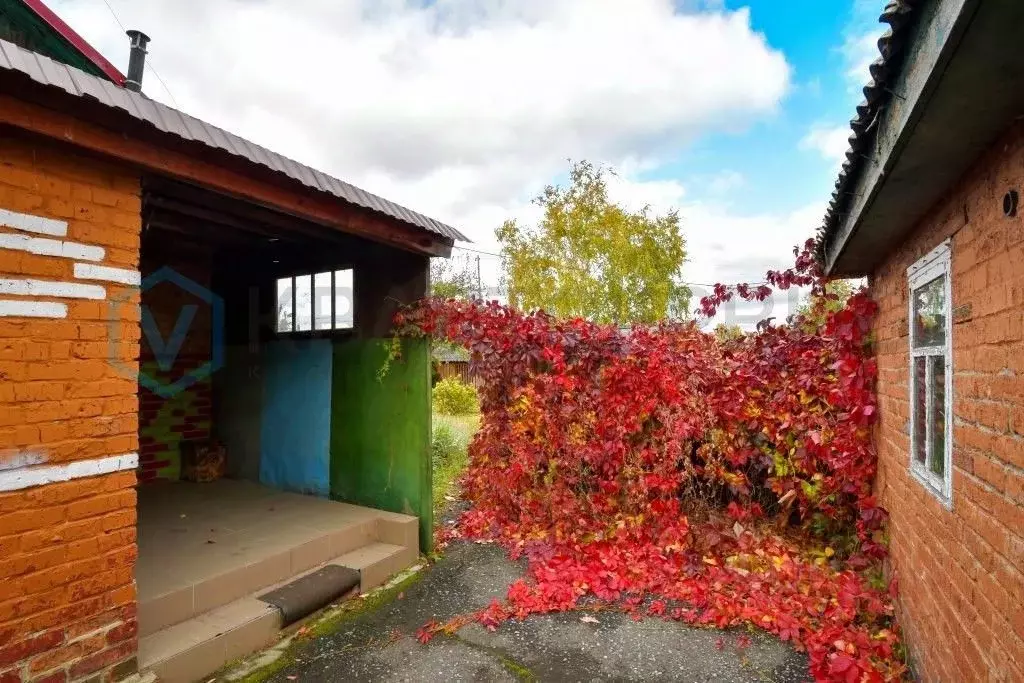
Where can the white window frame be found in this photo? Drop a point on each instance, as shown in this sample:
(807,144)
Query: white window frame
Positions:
(336,323)
(937,263)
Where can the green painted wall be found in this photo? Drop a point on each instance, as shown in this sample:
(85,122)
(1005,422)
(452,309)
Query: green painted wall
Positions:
(380,429)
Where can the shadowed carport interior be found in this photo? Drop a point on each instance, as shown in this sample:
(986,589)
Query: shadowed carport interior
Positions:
(301,414)
(248,248)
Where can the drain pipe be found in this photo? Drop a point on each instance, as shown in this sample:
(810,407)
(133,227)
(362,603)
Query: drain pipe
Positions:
(136,60)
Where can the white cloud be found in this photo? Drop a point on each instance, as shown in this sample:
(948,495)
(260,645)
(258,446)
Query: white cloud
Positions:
(830,142)
(725,247)
(460,109)
(726,181)
(465,109)
(860,51)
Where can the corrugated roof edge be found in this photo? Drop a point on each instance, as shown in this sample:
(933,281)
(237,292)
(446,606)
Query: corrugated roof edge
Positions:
(900,15)
(170,121)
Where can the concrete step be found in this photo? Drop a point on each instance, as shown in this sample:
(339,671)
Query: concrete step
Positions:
(192,649)
(188,651)
(399,530)
(272,567)
(377,562)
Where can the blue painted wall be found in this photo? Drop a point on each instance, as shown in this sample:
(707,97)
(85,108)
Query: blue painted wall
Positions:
(295,430)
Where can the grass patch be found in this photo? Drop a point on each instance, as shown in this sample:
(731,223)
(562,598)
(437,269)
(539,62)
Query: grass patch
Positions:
(452,434)
(356,607)
(267,672)
(262,666)
(518,670)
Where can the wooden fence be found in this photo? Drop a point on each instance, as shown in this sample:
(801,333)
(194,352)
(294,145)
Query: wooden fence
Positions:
(458,369)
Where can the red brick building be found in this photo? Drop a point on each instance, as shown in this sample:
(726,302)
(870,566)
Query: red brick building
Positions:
(259,290)
(927,207)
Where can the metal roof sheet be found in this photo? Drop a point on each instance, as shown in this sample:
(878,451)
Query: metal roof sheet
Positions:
(77,83)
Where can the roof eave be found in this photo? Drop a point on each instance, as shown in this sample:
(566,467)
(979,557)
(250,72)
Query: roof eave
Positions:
(922,36)
(42,90)
(962,88)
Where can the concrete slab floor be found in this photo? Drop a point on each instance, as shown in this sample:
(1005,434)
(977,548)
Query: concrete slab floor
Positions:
(379,644)
(189,532)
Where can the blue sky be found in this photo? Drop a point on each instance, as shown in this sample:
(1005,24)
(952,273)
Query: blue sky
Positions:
(780,170)
(735,113)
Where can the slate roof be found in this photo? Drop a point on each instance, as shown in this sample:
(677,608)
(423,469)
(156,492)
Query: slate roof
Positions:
(900,15)
(80,84)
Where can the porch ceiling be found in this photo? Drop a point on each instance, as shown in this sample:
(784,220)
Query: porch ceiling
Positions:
(221,220)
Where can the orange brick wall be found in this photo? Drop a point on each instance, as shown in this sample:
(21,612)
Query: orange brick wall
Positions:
(961,572)
(67,550)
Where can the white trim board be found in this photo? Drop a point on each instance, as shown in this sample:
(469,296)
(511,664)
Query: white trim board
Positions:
(29,223)
(48,247)
(32,309)
(124,276)
(28,477)
(67,290)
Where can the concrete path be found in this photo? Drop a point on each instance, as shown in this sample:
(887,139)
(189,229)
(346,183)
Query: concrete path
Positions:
(379,644)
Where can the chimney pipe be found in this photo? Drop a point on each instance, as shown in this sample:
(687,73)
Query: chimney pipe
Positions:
(137,60)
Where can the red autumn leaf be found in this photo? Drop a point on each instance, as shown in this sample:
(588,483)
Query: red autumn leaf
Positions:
(598,446)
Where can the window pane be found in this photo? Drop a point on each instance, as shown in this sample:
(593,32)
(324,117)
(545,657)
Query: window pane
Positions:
(930,313)
(918,423)
(284,305)
(344,299)
(304,303)
(937,460)
(322,301)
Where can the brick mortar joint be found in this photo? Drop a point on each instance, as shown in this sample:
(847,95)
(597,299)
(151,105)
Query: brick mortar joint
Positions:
(102,630)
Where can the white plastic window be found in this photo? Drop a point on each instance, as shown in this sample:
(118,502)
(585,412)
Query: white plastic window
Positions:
(316,302)
(931,373)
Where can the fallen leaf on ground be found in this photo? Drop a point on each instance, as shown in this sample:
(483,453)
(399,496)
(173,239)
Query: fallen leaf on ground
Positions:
(587,619)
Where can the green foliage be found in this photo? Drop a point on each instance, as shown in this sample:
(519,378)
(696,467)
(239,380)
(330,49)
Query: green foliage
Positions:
(815,311)
(593,259)
(726,333)
(393,346)
(449,450)
(454,397)
(451,279)
(444,445)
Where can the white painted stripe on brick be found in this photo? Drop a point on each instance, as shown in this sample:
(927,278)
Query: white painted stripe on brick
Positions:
(69,290)
(32,309)
(29,223)
(27,477)
(48,247)
(89,271)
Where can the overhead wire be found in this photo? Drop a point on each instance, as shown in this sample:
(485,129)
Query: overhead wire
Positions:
(150,62)
(690,284)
